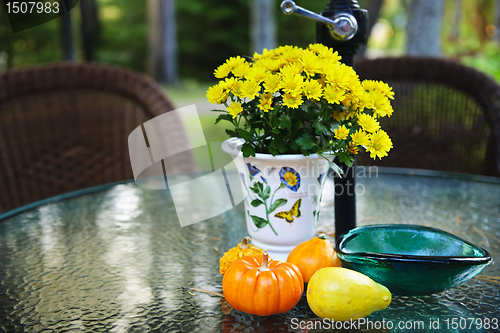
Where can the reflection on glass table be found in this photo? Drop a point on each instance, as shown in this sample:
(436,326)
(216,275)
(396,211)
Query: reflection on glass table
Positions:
(115,259)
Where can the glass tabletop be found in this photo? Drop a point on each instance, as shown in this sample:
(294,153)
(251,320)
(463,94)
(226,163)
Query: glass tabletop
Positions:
(115,259)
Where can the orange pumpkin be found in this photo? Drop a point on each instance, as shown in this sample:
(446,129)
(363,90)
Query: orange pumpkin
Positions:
(262,286)
(313,255)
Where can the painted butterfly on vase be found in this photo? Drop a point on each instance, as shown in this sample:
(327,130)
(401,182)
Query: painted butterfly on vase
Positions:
(289,215)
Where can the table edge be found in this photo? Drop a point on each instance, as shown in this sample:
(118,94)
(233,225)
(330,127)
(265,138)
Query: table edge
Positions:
(60,197)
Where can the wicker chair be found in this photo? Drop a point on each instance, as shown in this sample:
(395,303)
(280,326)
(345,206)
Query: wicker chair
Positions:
(446,115)
(64,127)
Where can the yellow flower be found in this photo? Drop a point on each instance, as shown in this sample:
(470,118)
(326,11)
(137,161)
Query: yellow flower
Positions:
(241,70)
(257,74)
(216,94)
(292,83)
(233,62)
(341,133)
(272,83)
(313,89)
(289,77)
(291,69)
(370,84)
(265,54)
(250,89)
(341,75)
(386,90)
(356,98)
(290,53)
(269,64)
(368,123)
(360,138)
(389,110)
(236,89)
(352,149)
(350,102)
(292,101)
(333,94)
(380,87)
(310,62)
(381,104)
(290,178)
(229,83)
(222,71)
(266,102)
(379,144)
(324,52)
(338,116)
(234,109)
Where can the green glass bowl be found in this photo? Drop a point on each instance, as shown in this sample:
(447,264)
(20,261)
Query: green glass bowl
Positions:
(411,259)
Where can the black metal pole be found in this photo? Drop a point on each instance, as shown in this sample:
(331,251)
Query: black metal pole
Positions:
(345,198)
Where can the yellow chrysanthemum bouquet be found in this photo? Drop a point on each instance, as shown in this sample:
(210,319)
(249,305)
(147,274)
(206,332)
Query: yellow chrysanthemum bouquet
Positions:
(302,101)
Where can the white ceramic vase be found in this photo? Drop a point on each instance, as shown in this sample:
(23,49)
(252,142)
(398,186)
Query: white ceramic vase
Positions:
(283,197)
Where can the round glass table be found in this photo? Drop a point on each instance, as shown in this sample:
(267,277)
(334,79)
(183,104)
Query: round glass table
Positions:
(115,259)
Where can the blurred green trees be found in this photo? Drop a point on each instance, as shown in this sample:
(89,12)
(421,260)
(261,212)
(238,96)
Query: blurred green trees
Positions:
(210,31)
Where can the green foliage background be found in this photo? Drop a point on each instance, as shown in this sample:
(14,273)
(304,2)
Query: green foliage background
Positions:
(210,31)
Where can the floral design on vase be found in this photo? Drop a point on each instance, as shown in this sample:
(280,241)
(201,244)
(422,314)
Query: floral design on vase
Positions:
(290,178)
(260,194)
(252,170)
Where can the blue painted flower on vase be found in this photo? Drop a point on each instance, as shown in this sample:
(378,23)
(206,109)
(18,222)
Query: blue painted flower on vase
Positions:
(321,177)
(252,170)
(290,178)
(263,179)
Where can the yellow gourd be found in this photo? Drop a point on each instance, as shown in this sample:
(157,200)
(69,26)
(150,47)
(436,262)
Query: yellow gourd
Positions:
(341,294)
(242,250)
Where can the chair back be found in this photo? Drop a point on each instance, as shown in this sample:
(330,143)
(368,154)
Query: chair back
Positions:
(64,127)
(446,115)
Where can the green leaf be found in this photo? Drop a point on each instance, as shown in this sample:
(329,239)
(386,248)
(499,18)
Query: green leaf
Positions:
(304,107)
(273,149)
(320,128)
(285,122)
(346,158)
(247,149)
(231,133)
(276,131)
(278,203)
(266,193)
(257,188)
(225,116)
(275,122)
(336,169)
(259,221)
(257,202)
(282,146)
(294,146)
(305,141)
(244,134)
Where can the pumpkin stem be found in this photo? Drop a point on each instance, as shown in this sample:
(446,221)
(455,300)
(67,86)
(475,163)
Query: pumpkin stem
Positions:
(244,242)
(265,258)
(322,236)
